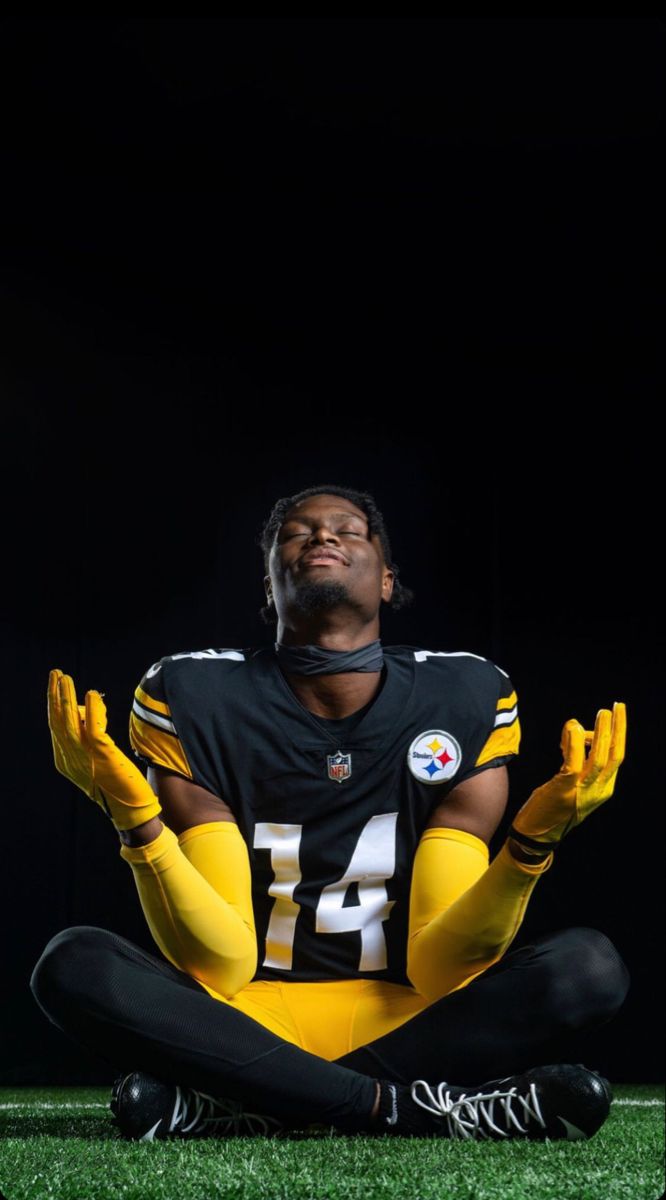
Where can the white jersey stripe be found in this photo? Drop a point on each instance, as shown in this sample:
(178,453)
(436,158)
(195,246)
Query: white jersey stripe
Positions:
(153,718)
(507,717)
(235,654)
(422,655)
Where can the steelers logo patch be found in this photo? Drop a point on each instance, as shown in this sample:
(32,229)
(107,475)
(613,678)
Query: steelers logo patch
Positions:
(434,756)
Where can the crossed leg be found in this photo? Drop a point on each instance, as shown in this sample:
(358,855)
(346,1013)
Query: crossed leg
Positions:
(138,1012)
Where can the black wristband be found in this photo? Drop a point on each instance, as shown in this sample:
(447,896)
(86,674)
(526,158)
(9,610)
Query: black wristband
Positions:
(531,843)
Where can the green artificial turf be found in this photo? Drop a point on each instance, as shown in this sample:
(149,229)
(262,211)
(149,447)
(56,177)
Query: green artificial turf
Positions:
(58,1142)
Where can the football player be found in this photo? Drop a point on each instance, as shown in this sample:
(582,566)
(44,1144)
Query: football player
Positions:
(310,850)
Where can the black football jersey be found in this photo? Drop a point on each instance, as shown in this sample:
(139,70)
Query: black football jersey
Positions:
(332,812)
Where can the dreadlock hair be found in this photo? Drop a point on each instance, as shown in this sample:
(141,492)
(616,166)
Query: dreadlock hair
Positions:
(401,596)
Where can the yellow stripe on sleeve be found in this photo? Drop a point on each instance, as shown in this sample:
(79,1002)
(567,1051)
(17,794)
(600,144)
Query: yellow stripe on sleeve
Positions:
(157,706)
(159,747)
(503,740)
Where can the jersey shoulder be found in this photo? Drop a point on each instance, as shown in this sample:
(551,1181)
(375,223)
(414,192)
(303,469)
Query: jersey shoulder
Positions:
(154,736)
(486,693)
(464,667)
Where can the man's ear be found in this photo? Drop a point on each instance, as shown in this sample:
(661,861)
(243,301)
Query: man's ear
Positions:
(387,585)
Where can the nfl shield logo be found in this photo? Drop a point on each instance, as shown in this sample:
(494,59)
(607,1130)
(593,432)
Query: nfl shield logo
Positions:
(339,766)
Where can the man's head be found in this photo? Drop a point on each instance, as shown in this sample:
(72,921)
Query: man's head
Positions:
(326,548)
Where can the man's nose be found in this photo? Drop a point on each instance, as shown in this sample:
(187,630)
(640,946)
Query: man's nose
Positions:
(322,533)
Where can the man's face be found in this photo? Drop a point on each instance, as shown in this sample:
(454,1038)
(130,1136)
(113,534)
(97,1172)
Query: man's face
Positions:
(323,558)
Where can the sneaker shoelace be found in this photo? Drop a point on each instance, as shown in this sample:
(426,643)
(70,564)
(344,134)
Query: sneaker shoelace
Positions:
(474,1116)
(197,1112)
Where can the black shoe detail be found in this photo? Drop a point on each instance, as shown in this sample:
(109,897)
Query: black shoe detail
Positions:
(555,1102)
(145,1108)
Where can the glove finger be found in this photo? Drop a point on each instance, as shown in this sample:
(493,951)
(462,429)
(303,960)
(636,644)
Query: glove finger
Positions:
(618,737)
(71,723)
(53,707)
(56,725)
(572,745)
(95,717)
(598,756)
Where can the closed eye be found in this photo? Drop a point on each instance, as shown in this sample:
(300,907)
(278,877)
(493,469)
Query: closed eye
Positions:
(284,537)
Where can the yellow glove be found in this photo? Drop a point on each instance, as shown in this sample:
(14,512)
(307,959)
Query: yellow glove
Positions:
(84,753)
(580,786)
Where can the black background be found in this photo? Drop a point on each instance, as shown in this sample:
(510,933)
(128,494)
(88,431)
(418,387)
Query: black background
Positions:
(420,258)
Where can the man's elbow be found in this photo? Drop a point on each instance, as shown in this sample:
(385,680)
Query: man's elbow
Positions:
(224,967)
(434,973)
(426,977)
(228,975)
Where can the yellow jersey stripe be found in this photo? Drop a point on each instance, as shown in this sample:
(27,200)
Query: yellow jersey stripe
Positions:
(151,703)
(503,740)
(506,718)
(158,746)
(152,718)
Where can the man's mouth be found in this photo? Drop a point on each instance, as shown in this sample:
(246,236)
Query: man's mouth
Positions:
(322,558)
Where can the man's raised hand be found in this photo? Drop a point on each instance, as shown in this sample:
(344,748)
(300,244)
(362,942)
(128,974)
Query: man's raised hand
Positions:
(582,783)
(85,754)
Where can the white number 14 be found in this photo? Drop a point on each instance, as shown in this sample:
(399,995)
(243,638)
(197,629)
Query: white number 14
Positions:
(372,863)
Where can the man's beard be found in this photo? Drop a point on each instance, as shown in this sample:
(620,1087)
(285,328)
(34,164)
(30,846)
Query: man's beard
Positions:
(314,596)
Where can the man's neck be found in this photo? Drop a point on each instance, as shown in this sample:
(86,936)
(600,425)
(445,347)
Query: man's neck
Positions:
(332,631)
(335,696)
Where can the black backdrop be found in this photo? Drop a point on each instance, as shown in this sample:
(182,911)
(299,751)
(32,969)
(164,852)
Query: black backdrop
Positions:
(422,258)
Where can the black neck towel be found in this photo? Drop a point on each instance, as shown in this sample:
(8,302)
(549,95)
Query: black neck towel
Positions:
(315,660)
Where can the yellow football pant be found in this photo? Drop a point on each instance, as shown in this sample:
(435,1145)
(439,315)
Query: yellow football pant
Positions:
(329,1017)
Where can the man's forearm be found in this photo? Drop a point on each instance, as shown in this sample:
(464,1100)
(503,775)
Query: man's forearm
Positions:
(209,937)
(450,947)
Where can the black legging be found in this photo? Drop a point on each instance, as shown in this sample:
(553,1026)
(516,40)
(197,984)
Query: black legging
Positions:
(138,1012)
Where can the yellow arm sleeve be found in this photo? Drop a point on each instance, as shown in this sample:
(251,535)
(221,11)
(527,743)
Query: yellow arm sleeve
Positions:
(463,914)
(195,892)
